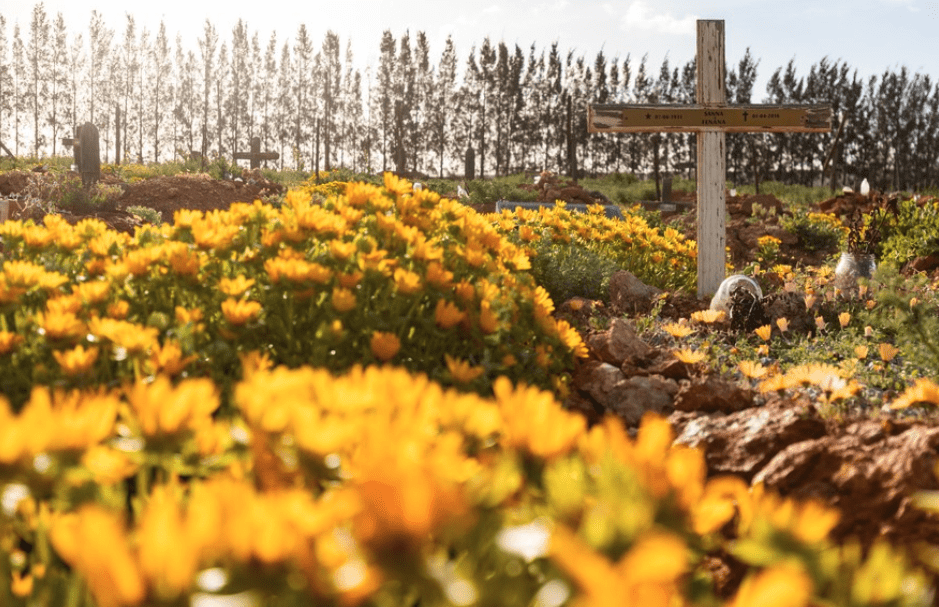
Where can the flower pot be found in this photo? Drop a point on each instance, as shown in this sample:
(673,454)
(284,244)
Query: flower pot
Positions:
(852,266)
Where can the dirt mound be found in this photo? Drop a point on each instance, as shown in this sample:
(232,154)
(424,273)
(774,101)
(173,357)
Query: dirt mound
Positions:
(198,192)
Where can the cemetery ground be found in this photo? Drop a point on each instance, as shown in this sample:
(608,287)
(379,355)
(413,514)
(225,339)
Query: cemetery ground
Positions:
(819,391)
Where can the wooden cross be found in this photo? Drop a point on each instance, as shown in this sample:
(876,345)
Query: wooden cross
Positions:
(710,118)
(255,155)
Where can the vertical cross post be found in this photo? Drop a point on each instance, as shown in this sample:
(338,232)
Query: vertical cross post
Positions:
(711,117)
(712,232)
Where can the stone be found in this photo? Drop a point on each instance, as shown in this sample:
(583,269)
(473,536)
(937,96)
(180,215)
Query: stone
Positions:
(711,394)
(619,344)
(742,443)
(634,397)
(629,295)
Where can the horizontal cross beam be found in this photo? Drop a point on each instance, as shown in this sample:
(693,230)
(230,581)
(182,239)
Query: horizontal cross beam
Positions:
(627,118)
(256,156)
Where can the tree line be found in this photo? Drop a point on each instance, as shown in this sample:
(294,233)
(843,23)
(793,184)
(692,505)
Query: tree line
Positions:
(518,109)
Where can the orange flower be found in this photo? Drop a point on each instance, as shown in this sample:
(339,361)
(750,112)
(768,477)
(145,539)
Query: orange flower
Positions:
(783,324)
(923,391)
(239,312)
(764,332)
(235,287)
(887,351)
(861,351)
(448,315)
(708,316)
(753,370)
(844,318)
(677,330)
(9,340)
(77,360)
(384,345)
(689,356)
(343,300)
(407,282)
(461,370)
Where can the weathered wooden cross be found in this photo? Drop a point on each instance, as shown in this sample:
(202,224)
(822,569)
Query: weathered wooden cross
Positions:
(710,118)
(255,155)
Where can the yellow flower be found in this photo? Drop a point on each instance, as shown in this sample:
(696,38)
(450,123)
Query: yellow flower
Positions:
(168,556)
(77,360)
(169,358)
(60,326)
(861,351)
(163,409)
(844,318)
(184,316)
(689,356)
(887,351)
(238,312)
(342,250)
(923,391)
(21,585)
(764,332)
(763,350)
(108,465)
(677,330)
(447,315)
(407,282)
(820,322)
(384,345)
(397,185)
(786,585)
(753,370)
(132,337)
(461,370)
(810,300)
(708,316)
(94,542)
(235,287)
(119,309)
(783,324)
(343,300)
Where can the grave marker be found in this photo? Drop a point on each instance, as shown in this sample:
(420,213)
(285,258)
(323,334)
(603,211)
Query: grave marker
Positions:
(711,118)
(255,156)
(86,153)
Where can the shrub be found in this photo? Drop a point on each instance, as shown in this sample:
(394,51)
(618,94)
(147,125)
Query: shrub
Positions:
(913,232)
(370,276)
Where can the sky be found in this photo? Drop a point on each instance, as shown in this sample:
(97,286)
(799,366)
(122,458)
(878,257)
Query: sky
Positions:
(871,36)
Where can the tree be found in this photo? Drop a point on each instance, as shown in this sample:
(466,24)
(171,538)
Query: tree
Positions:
(76,63)
(303,68)
(384,98)
(59,93)
(332,93)
(207,45)
(99,41)
(240,90)
(6,79)
(161,88)
(19,87)
(440,112)
(37,60)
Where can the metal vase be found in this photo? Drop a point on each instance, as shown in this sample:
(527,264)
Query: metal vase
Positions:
(852,266)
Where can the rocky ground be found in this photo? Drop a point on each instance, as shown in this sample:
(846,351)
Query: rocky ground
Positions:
(867,464)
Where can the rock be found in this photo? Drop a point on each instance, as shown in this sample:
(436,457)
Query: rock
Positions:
(619,344)
(926,263)
(870,472)
(627,398)
(635,396)
(743,443)
(711,394)
(629,295)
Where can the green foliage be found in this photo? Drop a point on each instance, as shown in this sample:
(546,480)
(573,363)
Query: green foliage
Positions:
(151,216)
(913,232)
(568,271)
(797,195)
(908,314)
(483,191)
(816,231)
